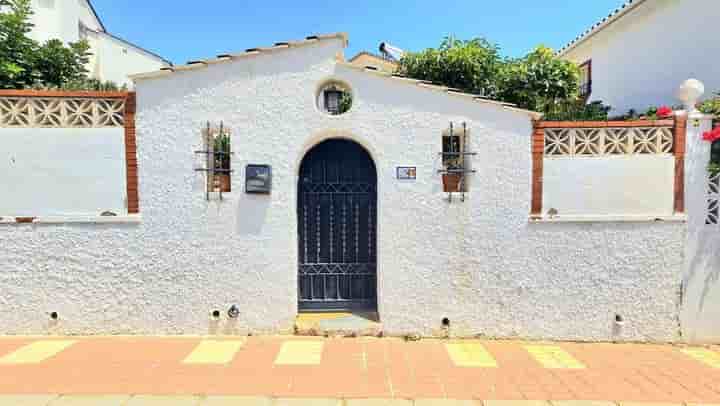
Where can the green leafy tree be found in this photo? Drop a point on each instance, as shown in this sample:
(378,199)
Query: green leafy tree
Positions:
(26,64)
(16,48)
(57,64)
(472,66)
(540,81)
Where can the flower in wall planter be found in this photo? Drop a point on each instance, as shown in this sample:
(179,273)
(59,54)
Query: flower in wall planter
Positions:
(713,135)
(664,112)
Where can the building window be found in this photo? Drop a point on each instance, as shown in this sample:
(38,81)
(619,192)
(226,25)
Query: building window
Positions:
(335,98)
(222,154)
(586,79)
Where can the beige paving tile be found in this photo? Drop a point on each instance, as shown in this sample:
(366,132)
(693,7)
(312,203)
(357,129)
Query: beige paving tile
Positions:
(236,401)
(378,402)
(649,404)
(214,352)
(582,403)
(164,401)
(300,353)
(704,355)
(308,402)
(26,400)
(553,357)
(36,352)
(516,403)
(470,354)
(101,400)
(446,402)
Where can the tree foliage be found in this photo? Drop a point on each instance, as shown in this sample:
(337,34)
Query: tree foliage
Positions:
(24,63)
(472,66)
(16,48)
(539,81)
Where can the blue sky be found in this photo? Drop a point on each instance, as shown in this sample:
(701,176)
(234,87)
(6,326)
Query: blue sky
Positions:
(182,30)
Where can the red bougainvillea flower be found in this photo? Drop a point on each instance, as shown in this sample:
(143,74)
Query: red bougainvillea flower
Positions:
(664,112)
(713,135)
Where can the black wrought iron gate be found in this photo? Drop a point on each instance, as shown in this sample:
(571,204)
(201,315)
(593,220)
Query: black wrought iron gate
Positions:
(337,216)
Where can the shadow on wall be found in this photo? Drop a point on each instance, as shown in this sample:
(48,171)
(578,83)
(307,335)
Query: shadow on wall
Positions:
(252,213)
(705,258)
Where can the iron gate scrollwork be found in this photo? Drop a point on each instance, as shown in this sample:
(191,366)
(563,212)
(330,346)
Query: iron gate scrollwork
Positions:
(337,216)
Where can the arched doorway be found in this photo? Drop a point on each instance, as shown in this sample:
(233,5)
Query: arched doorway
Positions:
(337,223)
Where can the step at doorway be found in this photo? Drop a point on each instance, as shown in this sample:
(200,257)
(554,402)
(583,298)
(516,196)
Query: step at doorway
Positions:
(347,324)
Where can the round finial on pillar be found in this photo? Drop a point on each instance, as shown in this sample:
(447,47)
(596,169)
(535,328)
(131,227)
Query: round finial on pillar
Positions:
(690,93)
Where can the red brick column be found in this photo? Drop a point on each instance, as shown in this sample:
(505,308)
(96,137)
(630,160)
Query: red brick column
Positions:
(131,164)
(680,130)
(538,154)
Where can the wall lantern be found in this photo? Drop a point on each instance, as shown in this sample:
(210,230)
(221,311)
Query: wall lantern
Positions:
(258,179)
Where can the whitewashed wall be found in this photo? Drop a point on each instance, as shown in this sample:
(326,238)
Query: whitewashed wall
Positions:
(632,185)
(62,171)
(480,263)
(701,281)
(638,61)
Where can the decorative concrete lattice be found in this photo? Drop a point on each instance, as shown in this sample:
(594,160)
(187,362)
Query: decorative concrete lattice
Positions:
(714,199)
(61,112)
(563,142)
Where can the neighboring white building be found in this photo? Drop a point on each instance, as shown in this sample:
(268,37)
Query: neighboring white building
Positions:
(355,217)
(114,59)
(635,57)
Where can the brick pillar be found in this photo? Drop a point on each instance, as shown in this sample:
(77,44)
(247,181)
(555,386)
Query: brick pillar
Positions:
(680,131)
(538,155)
(131,163)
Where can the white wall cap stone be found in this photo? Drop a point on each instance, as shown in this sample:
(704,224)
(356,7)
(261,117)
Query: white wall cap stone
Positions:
(610,218)
(690,93)
(127,219)
(278,46)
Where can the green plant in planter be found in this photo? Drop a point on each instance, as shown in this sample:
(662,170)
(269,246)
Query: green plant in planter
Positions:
(346,101)
(222,145)
(711,106)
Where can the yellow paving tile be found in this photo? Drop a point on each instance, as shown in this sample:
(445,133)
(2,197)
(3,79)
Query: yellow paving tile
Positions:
(553,357)
(707,357)
(214,352)
(26,400)
(164,401)
(36,352)
(470,354)
(300,353)
(99,400)
(236,401)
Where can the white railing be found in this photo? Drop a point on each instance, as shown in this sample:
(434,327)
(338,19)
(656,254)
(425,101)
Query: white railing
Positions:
(713,215)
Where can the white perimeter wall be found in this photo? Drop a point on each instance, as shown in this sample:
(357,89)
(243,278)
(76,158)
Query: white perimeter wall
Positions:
(701,281)
(62,171)
(639,60)
(480,263)
(631,185)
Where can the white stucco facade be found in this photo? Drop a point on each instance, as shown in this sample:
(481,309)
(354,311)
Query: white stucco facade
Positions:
(701,282)
(481,263)
(113,59)
(61,172)
(639,58)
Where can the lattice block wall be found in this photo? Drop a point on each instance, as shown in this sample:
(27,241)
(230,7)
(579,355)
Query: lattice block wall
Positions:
(61,112)
(561,142)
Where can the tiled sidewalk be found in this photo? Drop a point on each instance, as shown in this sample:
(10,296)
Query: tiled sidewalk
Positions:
(276,368)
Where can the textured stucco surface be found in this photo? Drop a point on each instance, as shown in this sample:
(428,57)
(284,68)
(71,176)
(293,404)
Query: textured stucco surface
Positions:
(480,263)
